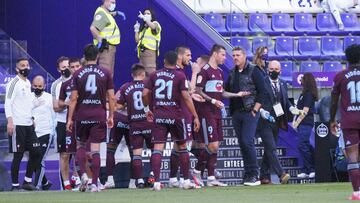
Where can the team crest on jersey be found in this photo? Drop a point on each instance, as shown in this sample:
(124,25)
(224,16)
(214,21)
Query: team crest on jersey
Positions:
(219,86)
(199,79)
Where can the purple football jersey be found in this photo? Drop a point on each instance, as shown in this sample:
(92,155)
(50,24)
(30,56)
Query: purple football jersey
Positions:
(212,81)
(131,94)
(92,83)
(347,84)
(65,90)
(185,109)
(166,86)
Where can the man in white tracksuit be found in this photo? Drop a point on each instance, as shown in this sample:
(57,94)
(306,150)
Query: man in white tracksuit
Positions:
(337,6)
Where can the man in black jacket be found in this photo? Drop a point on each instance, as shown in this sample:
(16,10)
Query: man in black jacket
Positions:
(245,110)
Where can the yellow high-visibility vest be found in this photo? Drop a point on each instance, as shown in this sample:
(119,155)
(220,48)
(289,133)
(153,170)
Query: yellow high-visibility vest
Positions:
(148,40)
(111,32)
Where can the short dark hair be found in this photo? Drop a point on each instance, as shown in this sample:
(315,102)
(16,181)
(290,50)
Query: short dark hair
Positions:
(238,48)
(74,60)
(181,49)
(170,58)
(136,69)
(353,54)
(21,59)
(61,59)
(91,52)
(205,58)
(216,48)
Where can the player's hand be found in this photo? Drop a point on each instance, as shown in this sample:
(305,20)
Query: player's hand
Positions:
(219,104)
(334,127)
(110,122)
(243,93)
(197,97)
(10,128)
(196,124)
(69,126)
(150,116)
(137,27)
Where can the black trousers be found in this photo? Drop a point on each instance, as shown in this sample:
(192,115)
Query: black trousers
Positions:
(40,178)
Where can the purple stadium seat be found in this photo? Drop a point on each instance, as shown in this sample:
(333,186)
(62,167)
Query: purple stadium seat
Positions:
(287,68)
(242,42)
(259,22)
(281,22)
(326,22)
(284,47)
(310,66)
(236,23)
(216,21)
(349,40)
(308,47)
(332,66)
(263,41)
(331,46)
(304,22)
(351,22)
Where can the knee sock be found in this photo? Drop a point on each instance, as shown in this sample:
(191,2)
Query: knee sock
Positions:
(354,174)
(211,163)
(184,160)
(81,159)
(156,164)
(110,161)
(174,163)
(95,167)
(136,167)
(203,157)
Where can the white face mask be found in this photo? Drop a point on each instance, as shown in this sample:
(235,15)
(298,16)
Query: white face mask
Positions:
(148,17)
(112,7)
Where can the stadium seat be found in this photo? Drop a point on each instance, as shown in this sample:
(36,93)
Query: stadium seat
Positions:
(304,23)
(242,42)
(310,66)
(284,47)
(332,66)
(287,68)
(239,6)
(263,41)
(349,40)
(282,23)
(216,21)
(259,22)
(325,22)
(331,46)
(236,23)
(308,47)
(351,22)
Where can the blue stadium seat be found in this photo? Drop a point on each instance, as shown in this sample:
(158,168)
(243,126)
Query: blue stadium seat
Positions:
(349,40)
(282,23)
(310,66)
(332,66)
(263,41)
(326,22)
(242,42)
(308,48)
(216,21)
(331,46)
(287,68)
(237,23)
(259,22)
(284,47)
(351,22)
(304,23)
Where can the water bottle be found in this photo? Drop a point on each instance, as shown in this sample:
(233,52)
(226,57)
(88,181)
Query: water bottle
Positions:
(223,112)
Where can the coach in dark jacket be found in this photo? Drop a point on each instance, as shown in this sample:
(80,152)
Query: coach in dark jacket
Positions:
(245,110)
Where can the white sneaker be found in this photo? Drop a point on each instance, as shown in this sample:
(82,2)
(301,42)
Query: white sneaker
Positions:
(312,175)
(109,185)
(132,185)
(157,186)
(174,183)
(94,188)
(214,182)
(196,175)
(100,186)
(188,185)
(302,175)
(84,183)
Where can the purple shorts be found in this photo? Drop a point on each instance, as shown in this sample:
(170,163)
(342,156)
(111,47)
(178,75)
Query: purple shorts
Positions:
(210,131)
(120,130)
(140,132)
(351,136)
(71,142)
(91,131)
(163,126)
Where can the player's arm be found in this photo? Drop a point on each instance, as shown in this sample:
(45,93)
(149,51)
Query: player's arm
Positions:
(9,99)
(333,109)
(190,105)
(146,97)
(260,89)
(72,105)
(111,99)
(217,103)
(228,95)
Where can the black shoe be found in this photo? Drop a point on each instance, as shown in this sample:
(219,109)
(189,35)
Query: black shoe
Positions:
(15,188)
(140,185)
(28,186)
(47,186)
(252,181)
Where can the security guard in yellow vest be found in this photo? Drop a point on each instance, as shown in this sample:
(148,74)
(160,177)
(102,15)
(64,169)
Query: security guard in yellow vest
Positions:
(106,33)
(147,37)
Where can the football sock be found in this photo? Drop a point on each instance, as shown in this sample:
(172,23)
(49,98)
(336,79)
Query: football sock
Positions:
(136,167)
(200,165)
(95,167)
(82,160)
(184,160)
(110,161)
(156,164)
(354,174)
(211,163)
(174,163)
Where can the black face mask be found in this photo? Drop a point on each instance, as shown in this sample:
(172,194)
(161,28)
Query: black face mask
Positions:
(38,91)
(24,72)
(66,73)
(274,75)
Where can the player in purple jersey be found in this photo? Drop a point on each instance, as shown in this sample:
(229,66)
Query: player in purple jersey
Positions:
(167,87)
(140,128)
(347,88)
(63,102)
(92,87)
(209,85)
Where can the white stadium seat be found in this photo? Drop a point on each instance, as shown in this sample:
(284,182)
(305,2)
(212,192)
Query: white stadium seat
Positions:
(239,6)
(216,6)
(259,6)
(282,6)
